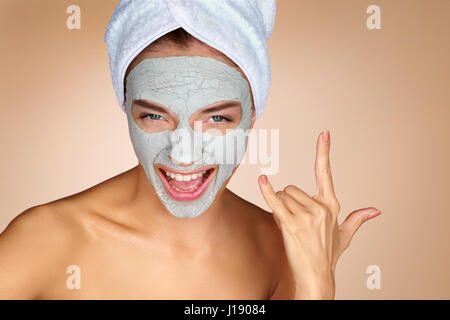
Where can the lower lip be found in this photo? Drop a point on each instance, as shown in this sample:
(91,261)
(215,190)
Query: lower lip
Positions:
(185,196)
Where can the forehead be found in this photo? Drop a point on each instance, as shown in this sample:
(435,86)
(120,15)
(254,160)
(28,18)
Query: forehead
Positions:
(186,82)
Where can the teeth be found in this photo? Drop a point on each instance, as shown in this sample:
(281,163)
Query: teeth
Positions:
(184,177)
(170,174)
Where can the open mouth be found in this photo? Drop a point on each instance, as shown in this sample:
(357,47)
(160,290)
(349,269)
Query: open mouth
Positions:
(186,186)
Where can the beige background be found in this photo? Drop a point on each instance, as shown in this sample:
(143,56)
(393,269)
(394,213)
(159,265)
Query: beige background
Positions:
(383,94)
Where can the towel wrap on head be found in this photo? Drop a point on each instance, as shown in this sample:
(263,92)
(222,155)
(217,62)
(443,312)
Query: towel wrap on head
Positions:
(239,29)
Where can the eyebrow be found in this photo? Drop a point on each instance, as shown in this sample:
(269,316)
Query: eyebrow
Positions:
(221,106)
(150,105)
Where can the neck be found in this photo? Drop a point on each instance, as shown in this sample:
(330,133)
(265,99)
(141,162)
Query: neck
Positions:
(195,233)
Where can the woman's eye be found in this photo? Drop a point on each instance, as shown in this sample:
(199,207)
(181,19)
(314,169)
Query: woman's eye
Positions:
(217,118)
(152,116)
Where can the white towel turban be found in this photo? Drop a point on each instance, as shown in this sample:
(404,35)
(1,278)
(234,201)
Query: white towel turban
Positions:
(238,28)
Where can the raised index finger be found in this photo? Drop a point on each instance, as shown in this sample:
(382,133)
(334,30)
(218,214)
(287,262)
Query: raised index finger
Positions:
(324,181)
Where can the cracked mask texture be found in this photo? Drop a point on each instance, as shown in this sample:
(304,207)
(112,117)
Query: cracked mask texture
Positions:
(185,84)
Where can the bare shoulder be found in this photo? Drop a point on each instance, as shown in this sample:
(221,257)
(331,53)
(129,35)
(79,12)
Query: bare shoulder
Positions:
(38,242)
(55,221)
(29,250)
(52,219)
(269,241)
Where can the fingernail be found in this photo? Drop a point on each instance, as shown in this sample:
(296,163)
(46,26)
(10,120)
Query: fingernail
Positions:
(374,213)
(326,136)
(264,179)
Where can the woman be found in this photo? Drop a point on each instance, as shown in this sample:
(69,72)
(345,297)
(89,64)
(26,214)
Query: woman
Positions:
(169,228)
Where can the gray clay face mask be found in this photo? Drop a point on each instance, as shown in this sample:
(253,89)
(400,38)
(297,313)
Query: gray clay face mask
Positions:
(185,84)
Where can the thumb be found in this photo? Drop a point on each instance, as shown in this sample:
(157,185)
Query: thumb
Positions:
(353,221)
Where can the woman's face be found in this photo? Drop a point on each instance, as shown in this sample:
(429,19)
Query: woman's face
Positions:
(189,116)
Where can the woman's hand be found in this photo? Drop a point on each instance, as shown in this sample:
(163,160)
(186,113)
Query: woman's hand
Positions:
(312,237)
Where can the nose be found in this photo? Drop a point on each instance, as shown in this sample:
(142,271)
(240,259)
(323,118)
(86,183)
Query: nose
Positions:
(186,147)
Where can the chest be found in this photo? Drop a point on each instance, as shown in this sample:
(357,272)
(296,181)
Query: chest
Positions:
(143,273)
